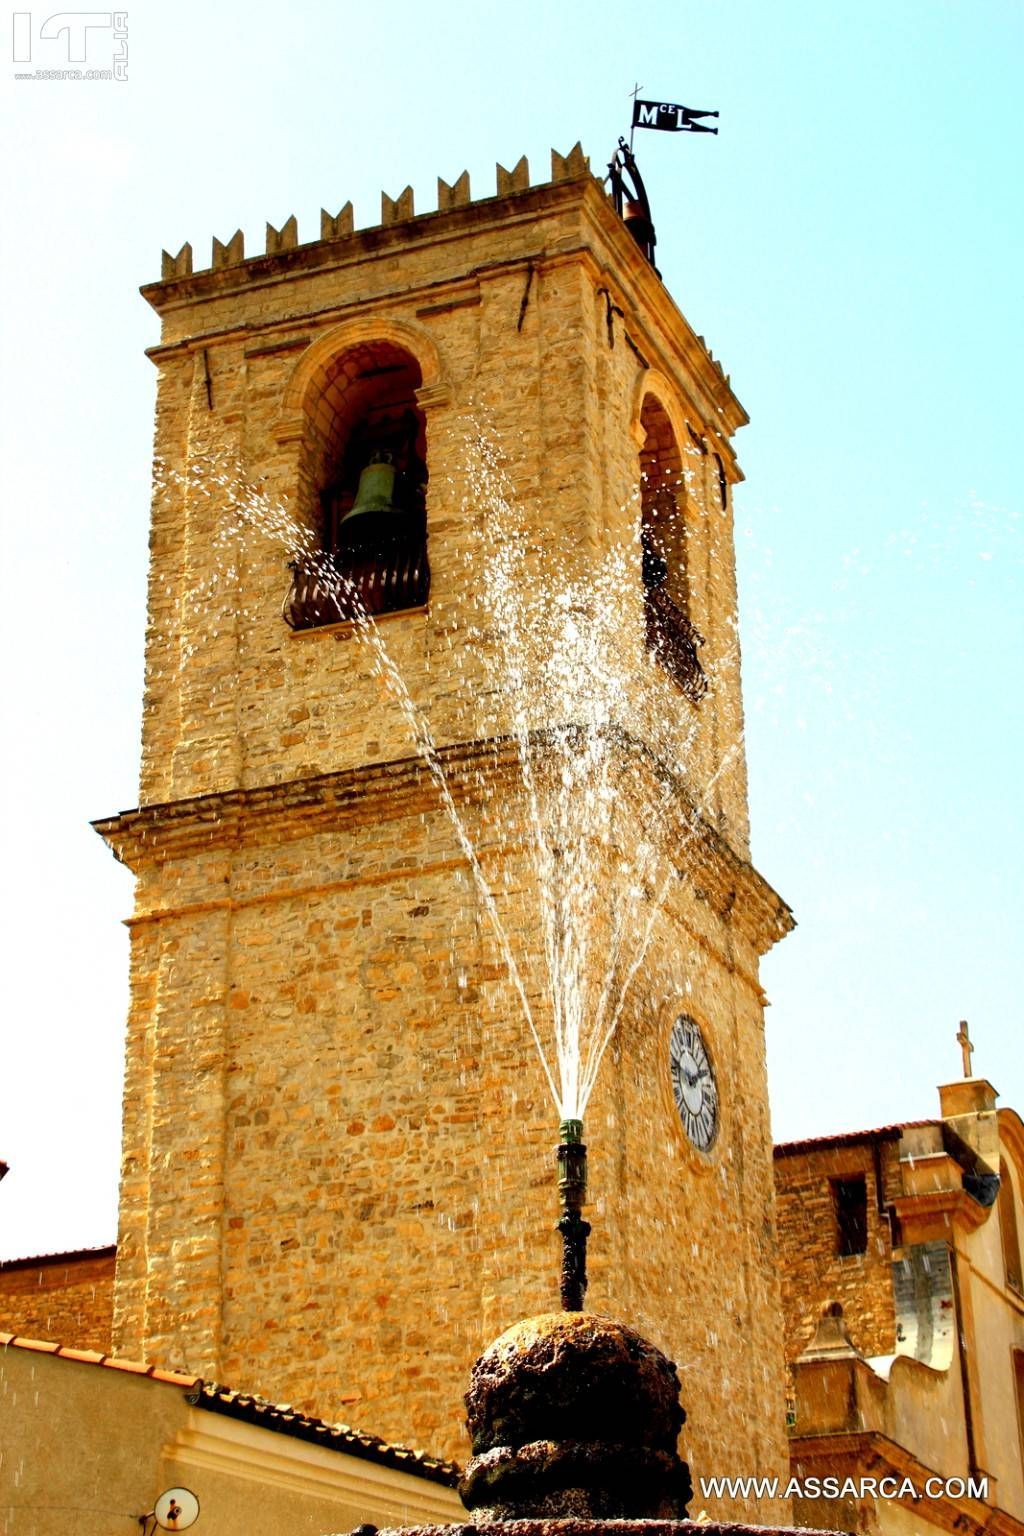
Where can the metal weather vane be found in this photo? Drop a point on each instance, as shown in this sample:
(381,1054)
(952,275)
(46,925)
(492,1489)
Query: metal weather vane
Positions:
(630,196)
(668,117)
(630,199)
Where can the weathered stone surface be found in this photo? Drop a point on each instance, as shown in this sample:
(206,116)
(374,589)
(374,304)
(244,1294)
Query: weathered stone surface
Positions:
(338,1169)
(284,239)
(589,1527)
(176,266)
(572,1414)
(573,1371)
(230,254)
(454,196)
(67,1298)
(336,226)
(811,1267)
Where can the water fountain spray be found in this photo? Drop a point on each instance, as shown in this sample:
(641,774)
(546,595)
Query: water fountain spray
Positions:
(571,1153)
(574,707)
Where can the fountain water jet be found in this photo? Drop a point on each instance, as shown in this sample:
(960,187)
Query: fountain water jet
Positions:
(570,707)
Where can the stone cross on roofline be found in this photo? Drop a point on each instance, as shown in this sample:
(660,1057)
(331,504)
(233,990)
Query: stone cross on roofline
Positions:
(963,1040)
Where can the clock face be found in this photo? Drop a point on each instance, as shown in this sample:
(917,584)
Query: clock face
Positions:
(693,1083)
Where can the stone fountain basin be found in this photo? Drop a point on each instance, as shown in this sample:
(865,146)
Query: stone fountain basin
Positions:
(592,1527)
(573,1420)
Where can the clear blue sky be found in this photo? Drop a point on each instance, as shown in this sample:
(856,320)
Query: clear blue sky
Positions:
(850,245)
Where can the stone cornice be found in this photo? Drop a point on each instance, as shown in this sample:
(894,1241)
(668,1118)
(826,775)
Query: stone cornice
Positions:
(934,1214)
(868,1453)
(616,259)
(678,348)
(382,791)
(443,294)
(377,240)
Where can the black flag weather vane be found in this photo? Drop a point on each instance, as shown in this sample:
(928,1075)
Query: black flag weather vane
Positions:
(669,118)
(627,187)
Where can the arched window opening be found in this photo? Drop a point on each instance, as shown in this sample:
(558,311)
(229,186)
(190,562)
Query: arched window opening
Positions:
(723,484)
(670,634)
(1006,1207)
(365,480)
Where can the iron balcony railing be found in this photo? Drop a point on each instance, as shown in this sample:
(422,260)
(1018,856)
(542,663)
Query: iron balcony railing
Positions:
(335,588)
(672,638)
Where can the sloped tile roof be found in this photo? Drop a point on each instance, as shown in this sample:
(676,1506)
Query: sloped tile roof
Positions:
(279,1418)
(336,1437)
(71,1256)
(94,1357)
(844,1138)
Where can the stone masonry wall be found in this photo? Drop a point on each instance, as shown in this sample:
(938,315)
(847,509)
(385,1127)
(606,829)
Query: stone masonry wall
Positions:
(811,1267)
(344,1183)
(233,698)
(65,1298)
(338,1172)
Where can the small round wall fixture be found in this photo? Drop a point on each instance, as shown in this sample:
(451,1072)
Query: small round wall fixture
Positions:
(176,1509)
(693,1083)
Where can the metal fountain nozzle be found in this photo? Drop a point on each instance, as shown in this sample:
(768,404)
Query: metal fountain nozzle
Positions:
(571,1154)
(572,1163)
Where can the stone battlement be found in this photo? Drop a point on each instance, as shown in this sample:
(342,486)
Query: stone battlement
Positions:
(393,210)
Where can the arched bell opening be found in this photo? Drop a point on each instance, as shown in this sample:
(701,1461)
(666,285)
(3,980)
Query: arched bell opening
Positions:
(663,541)
(364,478)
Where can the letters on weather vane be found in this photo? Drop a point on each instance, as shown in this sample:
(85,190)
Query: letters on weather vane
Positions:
(626,184)
(670,118)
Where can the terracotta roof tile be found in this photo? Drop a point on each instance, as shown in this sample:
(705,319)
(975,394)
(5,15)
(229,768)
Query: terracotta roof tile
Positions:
(93,1357)
(339,1437)
(133,1367)
(40,1345)
(279,1418)
(85,1356)
(879,1133)
(71,1256)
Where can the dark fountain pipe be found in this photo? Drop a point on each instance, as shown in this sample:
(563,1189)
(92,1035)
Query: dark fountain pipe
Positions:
(572,1188)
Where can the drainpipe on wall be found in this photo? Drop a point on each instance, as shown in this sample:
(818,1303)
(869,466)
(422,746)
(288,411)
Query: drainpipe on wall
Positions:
(973,1469)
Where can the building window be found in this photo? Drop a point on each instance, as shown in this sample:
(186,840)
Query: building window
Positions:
(671,636)
(1018,1377)
(723,484)
(1006,1206)
(364,478)
(850,1203)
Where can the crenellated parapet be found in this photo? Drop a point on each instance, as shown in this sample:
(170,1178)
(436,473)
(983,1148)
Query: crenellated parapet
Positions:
(394,210)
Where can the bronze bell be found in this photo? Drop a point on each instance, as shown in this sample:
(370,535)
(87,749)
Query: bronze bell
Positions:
(375,495)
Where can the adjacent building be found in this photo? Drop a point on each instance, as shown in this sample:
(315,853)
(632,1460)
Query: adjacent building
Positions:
(900,1262)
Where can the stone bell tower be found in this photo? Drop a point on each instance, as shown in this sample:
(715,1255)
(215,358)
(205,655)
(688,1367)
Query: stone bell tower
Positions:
(337,1177)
